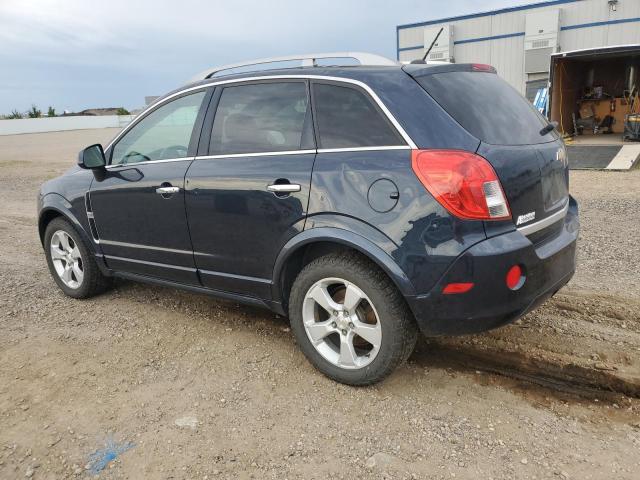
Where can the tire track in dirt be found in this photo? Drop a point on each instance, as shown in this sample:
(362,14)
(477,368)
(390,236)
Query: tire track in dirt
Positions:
(580,342)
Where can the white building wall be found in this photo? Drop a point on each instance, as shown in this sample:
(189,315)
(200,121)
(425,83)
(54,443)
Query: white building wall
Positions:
(57,124)
(497,38)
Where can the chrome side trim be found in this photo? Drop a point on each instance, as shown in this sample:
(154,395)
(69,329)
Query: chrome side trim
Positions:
(301,152)
(93,226)
(145,247)
(350,81)
(364,149)
(147,162)
(545,222)
(232,275)
(257,154)
(155,264)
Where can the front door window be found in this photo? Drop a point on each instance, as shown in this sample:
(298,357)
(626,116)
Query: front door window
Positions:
(163,134)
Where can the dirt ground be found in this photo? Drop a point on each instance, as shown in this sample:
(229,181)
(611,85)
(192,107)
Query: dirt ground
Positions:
(148,382)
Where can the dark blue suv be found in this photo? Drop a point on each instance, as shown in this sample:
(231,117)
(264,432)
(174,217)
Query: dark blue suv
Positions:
(366,203)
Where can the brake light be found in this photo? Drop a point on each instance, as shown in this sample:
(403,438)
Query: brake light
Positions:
(462,182)
(481,67)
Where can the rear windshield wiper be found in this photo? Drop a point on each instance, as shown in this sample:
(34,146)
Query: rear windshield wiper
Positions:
(548,128)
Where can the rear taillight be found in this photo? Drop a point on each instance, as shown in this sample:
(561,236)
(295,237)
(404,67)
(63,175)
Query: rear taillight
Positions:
(462,182)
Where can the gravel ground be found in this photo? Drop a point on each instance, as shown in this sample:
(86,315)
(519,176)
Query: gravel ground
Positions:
(147,382)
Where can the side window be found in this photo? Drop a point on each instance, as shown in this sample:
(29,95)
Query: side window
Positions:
(346,118)
(266,117)
(161,135)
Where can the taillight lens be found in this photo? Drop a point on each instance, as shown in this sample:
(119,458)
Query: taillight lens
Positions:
(462,182)
(514,278)
(454,288)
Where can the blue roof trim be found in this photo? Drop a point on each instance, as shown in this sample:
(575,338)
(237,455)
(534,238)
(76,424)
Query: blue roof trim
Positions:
(471,40)
(417,47)
(600,24)
(518,34)
(494,37)
(486,14)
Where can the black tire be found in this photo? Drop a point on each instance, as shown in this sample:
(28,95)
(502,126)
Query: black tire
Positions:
(399,332)
(93,281)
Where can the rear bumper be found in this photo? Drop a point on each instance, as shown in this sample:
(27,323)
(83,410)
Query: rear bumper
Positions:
(490,303)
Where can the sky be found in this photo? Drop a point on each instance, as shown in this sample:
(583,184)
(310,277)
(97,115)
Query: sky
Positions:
(77,54)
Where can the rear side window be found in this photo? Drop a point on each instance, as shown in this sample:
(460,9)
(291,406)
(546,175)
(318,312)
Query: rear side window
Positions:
(487,107)
(348,118)
(267,117)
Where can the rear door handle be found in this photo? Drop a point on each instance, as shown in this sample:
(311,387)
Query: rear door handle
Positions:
(167,190)
(284,187)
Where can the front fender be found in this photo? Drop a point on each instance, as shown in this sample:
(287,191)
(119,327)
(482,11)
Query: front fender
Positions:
(349,239)
(53,205)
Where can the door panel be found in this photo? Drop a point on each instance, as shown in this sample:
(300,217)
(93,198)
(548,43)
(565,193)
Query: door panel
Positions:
(139,206)
(260,142)
(142,231)
(237,225)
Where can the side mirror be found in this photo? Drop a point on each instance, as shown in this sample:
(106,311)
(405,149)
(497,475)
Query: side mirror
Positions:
(92,157)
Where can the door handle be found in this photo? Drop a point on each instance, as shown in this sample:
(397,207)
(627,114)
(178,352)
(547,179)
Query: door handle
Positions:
(167,190)
(284,187)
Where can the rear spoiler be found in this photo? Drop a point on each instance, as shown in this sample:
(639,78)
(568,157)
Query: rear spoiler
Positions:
(421,69)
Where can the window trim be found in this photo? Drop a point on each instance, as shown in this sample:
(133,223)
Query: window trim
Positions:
(410,143)
(195,130)
(385,118)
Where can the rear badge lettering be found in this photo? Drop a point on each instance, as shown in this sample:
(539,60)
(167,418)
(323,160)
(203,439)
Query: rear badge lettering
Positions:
(527,217)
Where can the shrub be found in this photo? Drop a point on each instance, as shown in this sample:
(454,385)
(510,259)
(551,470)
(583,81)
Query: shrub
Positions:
(123,111)
(14,115)
(34,112)
(51,112)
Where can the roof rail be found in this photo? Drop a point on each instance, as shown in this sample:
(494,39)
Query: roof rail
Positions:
(308,60)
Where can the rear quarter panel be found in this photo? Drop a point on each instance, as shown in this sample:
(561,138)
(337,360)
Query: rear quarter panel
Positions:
(421,236)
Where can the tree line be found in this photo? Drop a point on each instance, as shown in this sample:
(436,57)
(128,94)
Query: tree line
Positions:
(35,112)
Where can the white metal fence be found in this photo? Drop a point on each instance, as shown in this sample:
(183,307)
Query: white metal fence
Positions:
(57,124)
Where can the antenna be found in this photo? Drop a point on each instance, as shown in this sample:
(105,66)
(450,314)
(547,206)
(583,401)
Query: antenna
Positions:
(424,58)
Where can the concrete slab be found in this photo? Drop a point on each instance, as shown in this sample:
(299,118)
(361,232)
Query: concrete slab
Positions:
(588,157)
(626,158)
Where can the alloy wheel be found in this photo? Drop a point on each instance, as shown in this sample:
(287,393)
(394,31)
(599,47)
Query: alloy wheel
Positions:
(342,323)
(66,259)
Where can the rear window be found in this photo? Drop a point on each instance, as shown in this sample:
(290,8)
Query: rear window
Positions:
(259,118)
(487,107)
(347,118)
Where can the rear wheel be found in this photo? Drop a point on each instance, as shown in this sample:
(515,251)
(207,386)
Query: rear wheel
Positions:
(70,261)
(350,320)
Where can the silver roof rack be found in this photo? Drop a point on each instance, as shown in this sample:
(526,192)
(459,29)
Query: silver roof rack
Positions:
(308,60)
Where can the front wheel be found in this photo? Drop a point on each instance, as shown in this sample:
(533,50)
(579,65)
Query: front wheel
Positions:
(70,261)
(350,320)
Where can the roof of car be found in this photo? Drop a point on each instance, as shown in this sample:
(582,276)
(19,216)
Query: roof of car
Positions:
(361,73)
(351,71)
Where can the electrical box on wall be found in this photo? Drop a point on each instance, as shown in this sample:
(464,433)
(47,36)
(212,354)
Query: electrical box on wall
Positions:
(443,48)
(540,39)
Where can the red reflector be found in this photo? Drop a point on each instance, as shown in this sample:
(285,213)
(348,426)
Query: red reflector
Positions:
(462,182)
(457,288)
(481,67)
(514,277)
